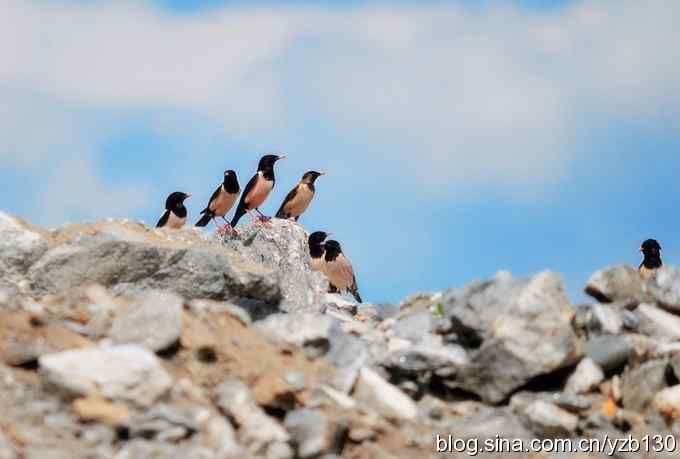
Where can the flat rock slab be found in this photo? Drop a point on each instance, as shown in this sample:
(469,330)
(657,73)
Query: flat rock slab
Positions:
(126,373)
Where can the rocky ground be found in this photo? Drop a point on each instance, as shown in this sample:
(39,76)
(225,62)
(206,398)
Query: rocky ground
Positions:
(121,341)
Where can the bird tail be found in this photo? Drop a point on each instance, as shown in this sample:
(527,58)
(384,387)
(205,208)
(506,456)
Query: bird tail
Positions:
(355,293)
(240,212)
(205,219)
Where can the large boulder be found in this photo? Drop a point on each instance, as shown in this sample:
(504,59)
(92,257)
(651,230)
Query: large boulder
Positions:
(131,258)
(282,246)
(522,329)
(21,245)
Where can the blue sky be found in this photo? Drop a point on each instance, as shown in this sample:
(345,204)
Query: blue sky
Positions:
(460,138)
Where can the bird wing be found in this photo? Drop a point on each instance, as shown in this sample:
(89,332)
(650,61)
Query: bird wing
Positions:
(212,199)
(163,220)
(289,197)
(244,196)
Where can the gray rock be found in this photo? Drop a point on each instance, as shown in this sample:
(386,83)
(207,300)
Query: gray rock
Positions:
(547,420)
(572,403)
(20,247)
(258,432)
(128,373)
(609,352)
(309,331)
(309,430)
(153,320)
(282,245)
(383,397)
(606,319)
(348,354)
(665,288)
(616,283)
(439,359)
(488,424)
(131,259)
(142,449)
(587,376)
(413,326)
(658,323)
(640,385)
(165,423)
(514,330)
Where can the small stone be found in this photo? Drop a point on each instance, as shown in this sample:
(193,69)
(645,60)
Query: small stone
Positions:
(102,411)
(585,378)
(667,402)
(153,321)
(548,420)
(658,323)
(383,397)
(609,352)
(606,319)
(309,430)
(309,331)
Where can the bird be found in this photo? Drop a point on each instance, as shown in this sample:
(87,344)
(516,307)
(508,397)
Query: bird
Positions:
(339,271)
(651,253)
(257,190)
(300,197)
(175,215)
(221,201)
(316,249)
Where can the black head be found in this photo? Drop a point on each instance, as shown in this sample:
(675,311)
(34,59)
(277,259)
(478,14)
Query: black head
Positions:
(317,238)
(176,200)
(333,249)
(231,181)
(650,248)
(267,162)
(311,176)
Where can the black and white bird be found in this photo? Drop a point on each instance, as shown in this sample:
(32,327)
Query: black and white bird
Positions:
(257,190)
(300,197)
(221,201)
(651,258)
(317,249)
(339,270)
(175,215)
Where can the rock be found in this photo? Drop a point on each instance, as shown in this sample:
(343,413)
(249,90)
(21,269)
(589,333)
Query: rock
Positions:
(658,323)
(489,423)
(609,352)
(166,423)
(162,310)
(310,432)
(587,376)
(413,326)
(142,449)
(340,303)
(131,258)
(7,450)
(665,288)
(282,246)
(606,319)
(523,329)
(308,331)
(640,385)
(258,432)
(547,420)
(667,402)
(572,403)
(20,246)
(616,283)
(383,397)
(348,354)
(215,307)
(99,410)
(126,373)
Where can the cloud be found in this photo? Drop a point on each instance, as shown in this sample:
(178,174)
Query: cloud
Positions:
(459,98)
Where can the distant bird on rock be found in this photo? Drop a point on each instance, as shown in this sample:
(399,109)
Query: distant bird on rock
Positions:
(651,253)
(339,271)
(221,201)
(300,197)
(317,250)
(175,215)
(257,190)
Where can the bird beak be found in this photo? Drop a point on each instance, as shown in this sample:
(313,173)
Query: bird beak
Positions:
(281,157)
(188,195)
(322,173)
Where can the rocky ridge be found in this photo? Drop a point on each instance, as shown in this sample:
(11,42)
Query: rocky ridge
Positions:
(121,341)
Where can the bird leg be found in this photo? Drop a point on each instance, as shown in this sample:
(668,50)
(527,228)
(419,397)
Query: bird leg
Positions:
(263,218)
(227,227)
(259,219)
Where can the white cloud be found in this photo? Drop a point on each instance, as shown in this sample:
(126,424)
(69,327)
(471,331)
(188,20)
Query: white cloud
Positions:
(462,97)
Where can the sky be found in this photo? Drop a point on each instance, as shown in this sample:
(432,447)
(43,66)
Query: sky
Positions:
(460,138)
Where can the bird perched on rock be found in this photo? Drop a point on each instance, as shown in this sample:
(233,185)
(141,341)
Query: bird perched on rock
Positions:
(300,197)
(221,201)
(339,271)
(175,215)
(317,250)
(651,253)
(258,189)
